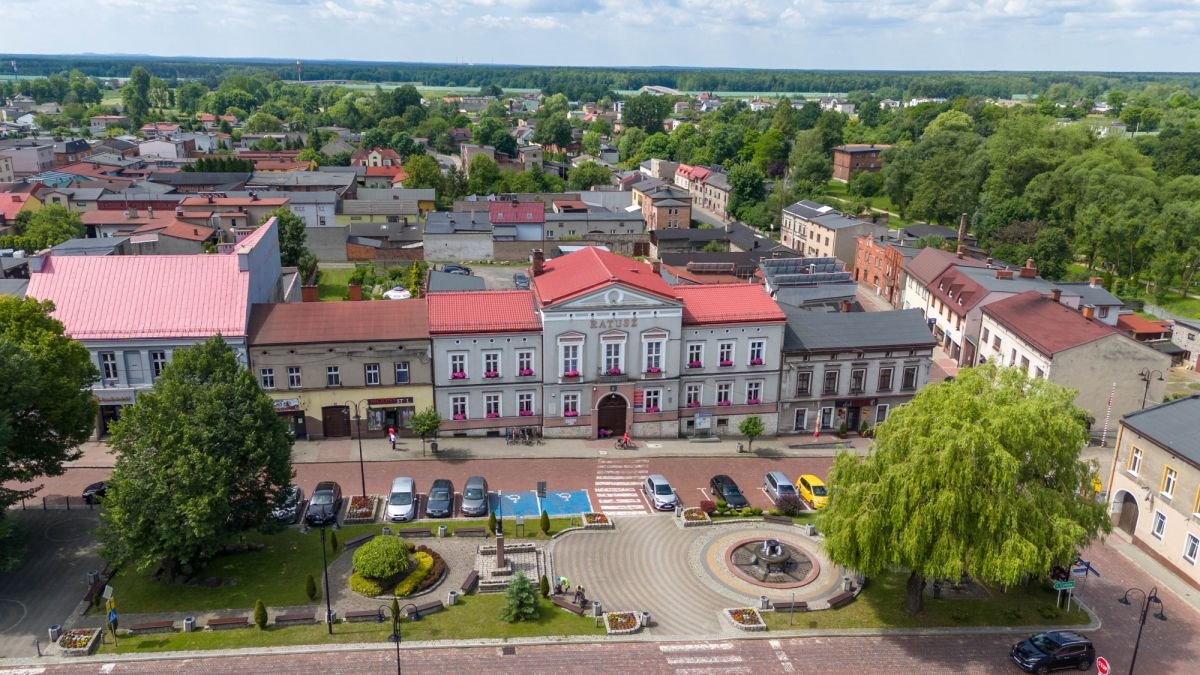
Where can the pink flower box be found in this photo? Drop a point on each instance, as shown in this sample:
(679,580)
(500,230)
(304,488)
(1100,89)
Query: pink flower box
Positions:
(491,374)
(726,364)
(460,417)
(723,403)
(652,409)
(526,413)
(752,401)
(492,416)
(458,376)
(571,373)
(525,372)
(694,404)
(695,364)
(571,413)
(614,371)
(756,362)
(654,370)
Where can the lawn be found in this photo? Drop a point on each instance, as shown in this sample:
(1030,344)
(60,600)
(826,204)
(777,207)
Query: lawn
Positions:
(475,616)
(881,605)
(333,283)
(531,530)
(839,191)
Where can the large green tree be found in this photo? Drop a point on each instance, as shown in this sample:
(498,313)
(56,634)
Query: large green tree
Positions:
(646,112)
(200,459)
(55,224)
(587,174)
(291,236)
(980,476)
(135,96)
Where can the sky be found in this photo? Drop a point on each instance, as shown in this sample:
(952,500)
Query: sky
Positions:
(1120,35)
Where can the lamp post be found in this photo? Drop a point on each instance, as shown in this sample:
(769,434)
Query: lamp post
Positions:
(396,612)
(362,470)
(325,570)
(1147,375)
(1147,600)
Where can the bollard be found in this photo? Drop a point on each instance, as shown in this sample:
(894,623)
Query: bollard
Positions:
(37,646)
(433,446)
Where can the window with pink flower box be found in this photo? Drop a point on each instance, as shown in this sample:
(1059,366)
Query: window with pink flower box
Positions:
(458,366)
(458,407)
(692,395)
(695,355)
(652,400)
(525,363)
(754,392)
(525,403)
(491,405)
(491,365)
(724,389)
(570,404)
(757,351)
(725,354)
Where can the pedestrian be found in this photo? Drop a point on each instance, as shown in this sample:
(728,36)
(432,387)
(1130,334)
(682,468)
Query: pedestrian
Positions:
(392,436)
(563,585)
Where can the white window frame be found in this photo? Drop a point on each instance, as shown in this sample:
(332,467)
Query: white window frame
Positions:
(372,375)
(1135,461)
(826,389)
(726,348)
(402,367)
(158,363)
(694,393)
(266,378)
(652,354)
(724,392)
(570,358)
(612,350)
(916,377)
(295,377)
(493,403)
(695,354)
(491,362)
(754,390)
(861,373)
(881,413)
(652,398)
(800,420)
(458,406)
(1169,481)
(526,401)
(891,375)
(458,364)
(1158,526)
(804,382)
(333,376)
(525,360)
(109,370)
(826,414)
(1191,542)
(570,403)
(758,350)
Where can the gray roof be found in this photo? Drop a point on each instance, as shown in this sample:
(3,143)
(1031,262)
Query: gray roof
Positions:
(809,209)
(441,282)
(293,198)
(81,194)
(232,179)
(445,222)
(803,296)
(717,180)
(115,144)
(690,234)
(1171,425)
(598,215)
(13,287)
(359,171)
(836,221)
(1090,295)
(381,194)
(342,179)
(810,331)
(987,278)
(389,231)
(112,159)
(781,272)
(81,246)
(146,191)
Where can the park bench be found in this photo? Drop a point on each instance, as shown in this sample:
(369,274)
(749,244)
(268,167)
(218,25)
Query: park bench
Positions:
(413,532)
(360,540)
(152,627)
(294,619)
(790,606)
(840,599)
(430,607)
(471,582)
(229,622)
(362,615)
(567,604)
(779,520)
(471,532)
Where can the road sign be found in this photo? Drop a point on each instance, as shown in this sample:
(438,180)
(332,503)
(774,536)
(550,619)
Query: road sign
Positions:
(1063,585)
(108,592)
(110,604)
(112,616)
(1102,665)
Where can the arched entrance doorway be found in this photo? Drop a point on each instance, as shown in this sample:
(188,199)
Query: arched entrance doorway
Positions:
(1129,513)
(611,414)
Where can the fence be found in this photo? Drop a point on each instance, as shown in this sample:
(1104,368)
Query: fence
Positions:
(57,503)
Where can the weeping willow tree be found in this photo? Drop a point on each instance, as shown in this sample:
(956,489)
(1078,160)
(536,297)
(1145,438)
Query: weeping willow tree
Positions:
(979,476)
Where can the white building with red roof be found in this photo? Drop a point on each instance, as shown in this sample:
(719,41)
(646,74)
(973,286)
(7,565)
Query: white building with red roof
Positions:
(133,312)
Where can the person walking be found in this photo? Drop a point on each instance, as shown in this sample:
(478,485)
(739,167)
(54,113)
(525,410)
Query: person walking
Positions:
(392,436)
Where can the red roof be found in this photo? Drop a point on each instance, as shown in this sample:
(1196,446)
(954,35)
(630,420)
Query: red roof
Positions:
(314,322)
(1049,326)
(728,303)
(1139,325)
(233,201)
(590,269)
(393,172)
(11,204)
(206,117)
(482,312)
(517,212)
(160,126)
(693,172)
(138,219)
(930,262)
(178,230)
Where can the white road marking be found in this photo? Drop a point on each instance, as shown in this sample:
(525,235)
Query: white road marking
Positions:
(697,647)
(699,660)
(107,668)
(712,671)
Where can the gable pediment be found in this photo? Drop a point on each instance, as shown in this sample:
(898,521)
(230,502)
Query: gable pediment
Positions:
(614,296)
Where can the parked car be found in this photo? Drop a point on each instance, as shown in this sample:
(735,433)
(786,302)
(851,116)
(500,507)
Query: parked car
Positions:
(660,493)
(1053,650)
(521,281)
(440,503)
(455,268)
(325,504)
(725,489)
(289,512)
(397,293)
(402,500)
(475,497)
(812,490)
(95,492)
(778,485)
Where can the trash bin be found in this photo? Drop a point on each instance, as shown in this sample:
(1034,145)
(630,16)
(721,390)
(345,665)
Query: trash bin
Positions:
(847,584)
(55,632)
(451,598)
(810,529)
(93,577)
(387,531)
(442,531)
(764,602)
(189,624)
(741,448)
(433,447)
(597,609)
(645,619)
(331,617)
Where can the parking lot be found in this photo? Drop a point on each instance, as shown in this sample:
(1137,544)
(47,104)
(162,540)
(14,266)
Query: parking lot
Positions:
(498,277)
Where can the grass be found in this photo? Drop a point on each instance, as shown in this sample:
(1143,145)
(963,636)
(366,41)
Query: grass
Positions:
(333,283)
(839,191)
(475,616)
(531,530)
(881,605)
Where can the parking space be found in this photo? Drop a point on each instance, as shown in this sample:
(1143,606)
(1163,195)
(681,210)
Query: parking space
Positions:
(506,504)
(497,277)
(567,502)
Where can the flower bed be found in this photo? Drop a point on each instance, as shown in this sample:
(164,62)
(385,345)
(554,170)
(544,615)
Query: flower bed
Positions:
(694,517)
(80,641)
(525,372)
(621,623)
(571,373)
(746,618)
(597,521)
(361,510)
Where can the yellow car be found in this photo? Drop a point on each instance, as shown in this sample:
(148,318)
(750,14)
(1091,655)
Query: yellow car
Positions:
(812,490)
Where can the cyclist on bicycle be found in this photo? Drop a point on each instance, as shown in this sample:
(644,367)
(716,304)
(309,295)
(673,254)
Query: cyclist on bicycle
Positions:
(625,440)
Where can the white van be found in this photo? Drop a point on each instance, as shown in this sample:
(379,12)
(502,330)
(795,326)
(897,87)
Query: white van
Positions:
(402,502)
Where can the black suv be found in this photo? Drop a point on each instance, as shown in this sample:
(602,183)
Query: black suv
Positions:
(1053,650)
(725,489)
(325,503)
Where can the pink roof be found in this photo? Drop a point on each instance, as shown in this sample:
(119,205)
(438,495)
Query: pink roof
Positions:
(145,296)
(591,268)
(517,212)
(482,312)
(1048,326)
(11,204)
(728,303)
(233,201)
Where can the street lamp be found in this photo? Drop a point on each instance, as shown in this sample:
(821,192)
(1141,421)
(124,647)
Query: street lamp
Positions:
(362,470)
(1146,376)
(396,612)
(325,569)
(1147,599)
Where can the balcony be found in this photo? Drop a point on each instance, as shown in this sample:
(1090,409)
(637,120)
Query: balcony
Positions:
(612,375)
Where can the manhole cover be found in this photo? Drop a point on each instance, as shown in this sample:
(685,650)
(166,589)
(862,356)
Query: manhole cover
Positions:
(508,651)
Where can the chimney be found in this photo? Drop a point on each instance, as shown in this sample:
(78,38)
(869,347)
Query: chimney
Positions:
(1095,282)
(656,266)
(1028,271)
(1056,294)
(178,211)
(1089,312)
(539,261)
(962,230)
(253,196)
(845,308)
(1004,274)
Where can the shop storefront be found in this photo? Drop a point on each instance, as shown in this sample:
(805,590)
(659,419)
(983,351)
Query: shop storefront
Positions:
(290,412)
(853,412)
(390,413)
(110,402)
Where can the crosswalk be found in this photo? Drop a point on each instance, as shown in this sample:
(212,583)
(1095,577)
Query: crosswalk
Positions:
(703,658)
(618,485)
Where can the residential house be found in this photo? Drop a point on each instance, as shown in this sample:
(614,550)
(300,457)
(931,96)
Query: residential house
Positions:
(339,180)
(376,157)
(159,130)
(343,369)
(913,234)
(116,146)
(659,168)
(458,236)
(663,206)
(879,263)
(195,182)
(1106,307)
(171,238)
(336,146)
(86,246)
(530,156)
(75,199)
(317,209)
(229,214)
(98,124)
(703,268)
(7,175)
(384,176)
(105,223)
(13,203)
(167,147)
(856,158)
(154,305)
(1185,334)
(1044,337)
(819,231)
(850,368)
(1154,485)
(29,156)
(1147,330)
(714,195)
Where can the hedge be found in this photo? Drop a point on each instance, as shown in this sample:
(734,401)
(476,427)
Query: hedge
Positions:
(423,563)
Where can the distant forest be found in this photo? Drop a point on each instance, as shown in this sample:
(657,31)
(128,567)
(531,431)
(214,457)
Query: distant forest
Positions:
(592,83)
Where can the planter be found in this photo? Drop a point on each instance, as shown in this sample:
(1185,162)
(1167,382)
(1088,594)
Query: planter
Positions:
(694,404)
(571,373)
(753,401)
(597,521)
(727,364)
(695,364)
(361,510)
(745,618)
(724,404)
(459,418)
(756,362)
(652,409)
(458,376)
(613,371)
(654,371)
(491,374)
(571,413)
(525,372)
(80,641)
(492,416)
(525,413)
(694,517)
(622,623)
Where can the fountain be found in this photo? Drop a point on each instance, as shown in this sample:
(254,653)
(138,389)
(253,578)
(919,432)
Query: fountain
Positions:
(771,562)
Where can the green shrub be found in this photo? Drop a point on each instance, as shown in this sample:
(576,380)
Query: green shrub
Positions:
(745,511)
(310,587)
(545,523)
(722,504)
(382,558)
(756,511)
(333,542)
(260,614)
(435,572)
(790,506)
(422,563)
(544,586)
(365,586)
(1049,612)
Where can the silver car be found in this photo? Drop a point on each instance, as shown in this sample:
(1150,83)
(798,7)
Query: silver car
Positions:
(778,486)
(402,501)
(475,497)
(660,493)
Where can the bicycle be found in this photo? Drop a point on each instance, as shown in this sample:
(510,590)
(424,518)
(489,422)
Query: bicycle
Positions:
(622,444)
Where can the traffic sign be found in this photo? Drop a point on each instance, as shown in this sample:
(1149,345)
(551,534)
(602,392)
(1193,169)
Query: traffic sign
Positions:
(108,592)
(112,616)
(1102,665)
(1063,585)
(110,604)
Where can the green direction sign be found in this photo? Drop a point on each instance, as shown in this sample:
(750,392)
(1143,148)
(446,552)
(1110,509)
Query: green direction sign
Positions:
(1063,585)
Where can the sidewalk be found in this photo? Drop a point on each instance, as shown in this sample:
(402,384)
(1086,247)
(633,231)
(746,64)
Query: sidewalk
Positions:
(1164,578)
(96,454)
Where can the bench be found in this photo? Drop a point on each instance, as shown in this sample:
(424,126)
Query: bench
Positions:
(429,607)
(294,619)
(567,604)
(471,532)
(362,615)
(229,622)
(471,582)
(152,627)
(840,599)
(779,520)
(413,532)
(790,606)
(360,541)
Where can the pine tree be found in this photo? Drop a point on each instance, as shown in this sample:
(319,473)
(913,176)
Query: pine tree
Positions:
(260,614)
(520,600)
(545,523)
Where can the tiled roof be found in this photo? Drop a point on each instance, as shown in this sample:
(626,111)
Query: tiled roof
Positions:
(1141,325)
(589,269)
(233,201)
(517,212)
(319,322)
(727,303)
(139,218)
(178,230)
(12,203)
(482,312)
(393,172)
(1048,326)
(931,262)
(1171,425)
(151,296)
(810,331)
